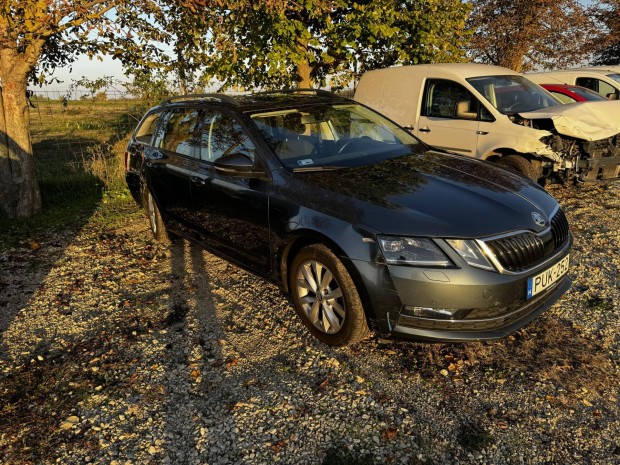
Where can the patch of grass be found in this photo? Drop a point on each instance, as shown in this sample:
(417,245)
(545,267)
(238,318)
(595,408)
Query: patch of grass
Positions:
(61,215)
(79,151)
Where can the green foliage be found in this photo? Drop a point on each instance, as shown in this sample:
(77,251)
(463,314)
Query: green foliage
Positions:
(149,87)
(278,43)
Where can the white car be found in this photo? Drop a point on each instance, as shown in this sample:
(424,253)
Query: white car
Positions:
(493,113)
(602,79)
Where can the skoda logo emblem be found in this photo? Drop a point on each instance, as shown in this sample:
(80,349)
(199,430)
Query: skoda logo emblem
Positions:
(538,219)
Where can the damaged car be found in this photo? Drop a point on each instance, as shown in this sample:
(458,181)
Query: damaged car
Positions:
(495,114)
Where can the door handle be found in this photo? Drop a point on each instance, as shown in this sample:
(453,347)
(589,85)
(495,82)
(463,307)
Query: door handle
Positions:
(424,130)
(482,133)
(152,165)
(198,180)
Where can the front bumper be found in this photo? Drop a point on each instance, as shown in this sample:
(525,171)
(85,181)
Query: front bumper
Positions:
(483,304)
(506,322)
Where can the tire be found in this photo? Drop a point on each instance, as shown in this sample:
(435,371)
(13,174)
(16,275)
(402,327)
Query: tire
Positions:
(155,220)
(521,165)
(337,316)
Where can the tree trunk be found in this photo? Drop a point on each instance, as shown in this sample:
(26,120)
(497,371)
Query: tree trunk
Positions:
(19,191)
(304,70)
(303,76)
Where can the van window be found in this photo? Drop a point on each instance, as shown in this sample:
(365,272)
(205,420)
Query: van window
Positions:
(596,85)
(442,99)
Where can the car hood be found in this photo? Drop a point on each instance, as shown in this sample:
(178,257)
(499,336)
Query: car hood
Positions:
(434,195)
(582,120)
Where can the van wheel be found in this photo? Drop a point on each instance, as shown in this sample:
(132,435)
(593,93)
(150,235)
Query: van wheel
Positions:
(326,298)
(155,220)
(520,165)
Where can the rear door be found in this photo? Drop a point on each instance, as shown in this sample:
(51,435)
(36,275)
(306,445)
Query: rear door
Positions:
(231,214)
(168,162)
(441,124)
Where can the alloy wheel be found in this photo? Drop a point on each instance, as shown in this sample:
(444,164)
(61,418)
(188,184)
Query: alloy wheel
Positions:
(321,297)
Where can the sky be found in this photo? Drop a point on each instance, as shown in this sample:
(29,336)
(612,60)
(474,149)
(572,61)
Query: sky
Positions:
(91,69)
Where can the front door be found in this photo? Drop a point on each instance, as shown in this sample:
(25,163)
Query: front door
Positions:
(449,117)
(231,214)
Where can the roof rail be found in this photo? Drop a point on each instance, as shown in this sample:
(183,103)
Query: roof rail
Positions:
(298,90)
(183,98)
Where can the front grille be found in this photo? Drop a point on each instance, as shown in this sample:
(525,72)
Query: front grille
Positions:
(559,229)
(525,250)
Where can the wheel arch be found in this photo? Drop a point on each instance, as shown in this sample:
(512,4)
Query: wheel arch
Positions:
(500,152)
(305,237)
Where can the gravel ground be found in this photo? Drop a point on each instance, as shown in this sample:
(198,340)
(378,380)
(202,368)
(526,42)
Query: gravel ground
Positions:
(115,350)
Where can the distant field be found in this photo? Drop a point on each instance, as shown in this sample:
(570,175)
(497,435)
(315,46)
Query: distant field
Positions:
(78,148)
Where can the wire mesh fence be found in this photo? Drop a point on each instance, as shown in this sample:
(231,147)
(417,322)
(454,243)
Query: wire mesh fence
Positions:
(77,139)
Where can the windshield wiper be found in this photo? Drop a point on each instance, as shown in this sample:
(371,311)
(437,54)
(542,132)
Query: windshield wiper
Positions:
(305,169)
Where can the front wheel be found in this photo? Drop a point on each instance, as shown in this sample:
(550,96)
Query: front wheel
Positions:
(326,298)
(521,165)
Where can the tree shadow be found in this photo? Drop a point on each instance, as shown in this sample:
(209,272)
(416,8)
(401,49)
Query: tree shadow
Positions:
(29,248)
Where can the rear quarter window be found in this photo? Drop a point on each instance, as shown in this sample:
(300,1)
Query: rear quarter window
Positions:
(145,131)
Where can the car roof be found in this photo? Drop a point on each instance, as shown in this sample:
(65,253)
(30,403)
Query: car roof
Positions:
(260,101)
(593,71)
(460,70)
(561,86)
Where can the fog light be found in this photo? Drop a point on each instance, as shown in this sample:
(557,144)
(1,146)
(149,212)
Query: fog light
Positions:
(427,312)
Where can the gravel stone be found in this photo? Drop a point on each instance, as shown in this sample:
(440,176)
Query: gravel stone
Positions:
(114,349)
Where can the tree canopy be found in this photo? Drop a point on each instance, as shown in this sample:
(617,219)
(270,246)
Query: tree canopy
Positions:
(608,12)
(280,43)
(37,36)
(525,34)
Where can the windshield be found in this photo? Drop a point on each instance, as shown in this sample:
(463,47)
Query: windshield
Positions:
(324,136)
(587,93)
(513,94)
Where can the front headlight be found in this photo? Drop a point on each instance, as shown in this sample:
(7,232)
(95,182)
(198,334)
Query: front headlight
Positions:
(470,252)
(412,251)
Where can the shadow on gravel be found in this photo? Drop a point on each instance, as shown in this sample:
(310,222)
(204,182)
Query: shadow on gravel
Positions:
(29,252)
(195,367)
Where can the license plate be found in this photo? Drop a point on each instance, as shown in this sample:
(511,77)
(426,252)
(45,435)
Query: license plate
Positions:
(546,279)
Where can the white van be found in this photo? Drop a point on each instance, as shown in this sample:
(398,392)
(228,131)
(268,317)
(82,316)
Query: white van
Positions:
(493,113)
(602,79)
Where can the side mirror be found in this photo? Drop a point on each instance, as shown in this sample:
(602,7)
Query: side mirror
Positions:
(462,110)
(612,96)
(237,164)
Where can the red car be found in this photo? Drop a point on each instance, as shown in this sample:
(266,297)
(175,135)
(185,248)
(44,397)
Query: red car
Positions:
(567,93)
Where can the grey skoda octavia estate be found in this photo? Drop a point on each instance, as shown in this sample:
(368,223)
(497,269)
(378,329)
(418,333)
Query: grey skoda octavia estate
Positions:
(363,225)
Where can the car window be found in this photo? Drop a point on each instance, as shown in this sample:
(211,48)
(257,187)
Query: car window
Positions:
(596,85)
(448,99)
(223,135)
(180,131)
(336,135)
(144,133)
(588,94)
(562,97)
